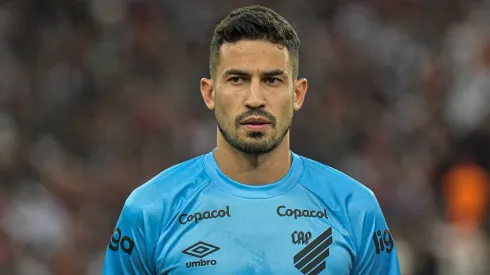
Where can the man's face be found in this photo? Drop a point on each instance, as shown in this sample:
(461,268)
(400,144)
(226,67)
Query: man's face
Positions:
(254,95)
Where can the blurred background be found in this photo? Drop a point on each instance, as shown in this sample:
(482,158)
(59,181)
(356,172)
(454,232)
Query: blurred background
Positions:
(98,96)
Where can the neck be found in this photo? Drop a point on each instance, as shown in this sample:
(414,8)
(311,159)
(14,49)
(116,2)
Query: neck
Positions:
(253,169)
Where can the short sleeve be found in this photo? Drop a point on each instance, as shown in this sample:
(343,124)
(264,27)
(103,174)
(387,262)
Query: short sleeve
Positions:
(376,250)
(127,249)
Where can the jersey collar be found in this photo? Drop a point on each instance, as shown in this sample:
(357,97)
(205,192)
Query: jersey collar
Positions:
(253,191)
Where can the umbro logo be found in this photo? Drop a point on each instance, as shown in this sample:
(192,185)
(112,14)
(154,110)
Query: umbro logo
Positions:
(311,260)
(200,250)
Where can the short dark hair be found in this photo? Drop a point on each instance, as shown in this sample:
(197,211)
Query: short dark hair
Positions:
(255,23)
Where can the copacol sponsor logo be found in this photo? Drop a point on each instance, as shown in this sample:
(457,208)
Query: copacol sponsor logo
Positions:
(200,250)
(199,216)
(283,211)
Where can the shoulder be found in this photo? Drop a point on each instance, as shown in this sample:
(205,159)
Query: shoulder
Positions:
(168,190)
(351,201)
(326,180)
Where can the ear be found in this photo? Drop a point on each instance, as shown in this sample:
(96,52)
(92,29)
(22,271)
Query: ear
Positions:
(207,92)
(300,89)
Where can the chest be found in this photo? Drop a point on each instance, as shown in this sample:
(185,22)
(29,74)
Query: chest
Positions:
(258,238)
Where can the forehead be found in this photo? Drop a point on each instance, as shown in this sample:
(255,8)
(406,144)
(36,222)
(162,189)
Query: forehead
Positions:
(253,55)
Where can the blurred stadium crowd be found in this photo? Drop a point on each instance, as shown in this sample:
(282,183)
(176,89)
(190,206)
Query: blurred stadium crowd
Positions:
(97,96)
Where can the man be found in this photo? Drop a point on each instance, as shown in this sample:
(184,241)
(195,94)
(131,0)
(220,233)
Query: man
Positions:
(251,206)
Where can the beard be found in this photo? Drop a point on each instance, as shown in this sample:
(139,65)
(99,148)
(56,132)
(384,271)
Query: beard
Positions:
(256,143)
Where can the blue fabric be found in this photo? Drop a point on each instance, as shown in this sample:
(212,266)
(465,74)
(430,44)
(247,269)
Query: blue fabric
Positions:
(193,219)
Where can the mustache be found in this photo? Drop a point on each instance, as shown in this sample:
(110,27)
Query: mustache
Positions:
(255,112)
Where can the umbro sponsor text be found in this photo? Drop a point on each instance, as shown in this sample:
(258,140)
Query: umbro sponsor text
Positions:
(283,211)
(200,250)
(199,216)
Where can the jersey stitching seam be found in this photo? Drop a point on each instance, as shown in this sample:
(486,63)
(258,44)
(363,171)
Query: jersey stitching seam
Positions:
(162,228)
(175,212)
(258,198)
(244,197)
(351,238)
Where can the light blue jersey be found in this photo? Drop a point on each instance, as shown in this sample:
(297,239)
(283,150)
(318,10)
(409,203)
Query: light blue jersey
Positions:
(193,219)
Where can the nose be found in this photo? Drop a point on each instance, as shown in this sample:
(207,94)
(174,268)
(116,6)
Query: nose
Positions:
(255,97)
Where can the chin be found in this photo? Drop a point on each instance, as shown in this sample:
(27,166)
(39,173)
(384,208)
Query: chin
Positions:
(256,149)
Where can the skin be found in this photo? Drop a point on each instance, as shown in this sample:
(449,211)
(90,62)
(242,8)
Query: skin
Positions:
(253,79)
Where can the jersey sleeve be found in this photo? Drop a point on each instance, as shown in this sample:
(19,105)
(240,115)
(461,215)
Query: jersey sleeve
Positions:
(376,250)
(127,251)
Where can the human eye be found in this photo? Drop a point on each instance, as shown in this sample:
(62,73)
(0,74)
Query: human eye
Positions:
(236,80)
(272,80)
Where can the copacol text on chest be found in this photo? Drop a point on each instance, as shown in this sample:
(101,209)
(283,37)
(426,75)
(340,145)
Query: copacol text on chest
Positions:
(199,216)
(283,211)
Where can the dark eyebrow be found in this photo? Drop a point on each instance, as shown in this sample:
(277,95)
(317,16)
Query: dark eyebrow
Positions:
(238,72)
(235,72)
(276,72)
